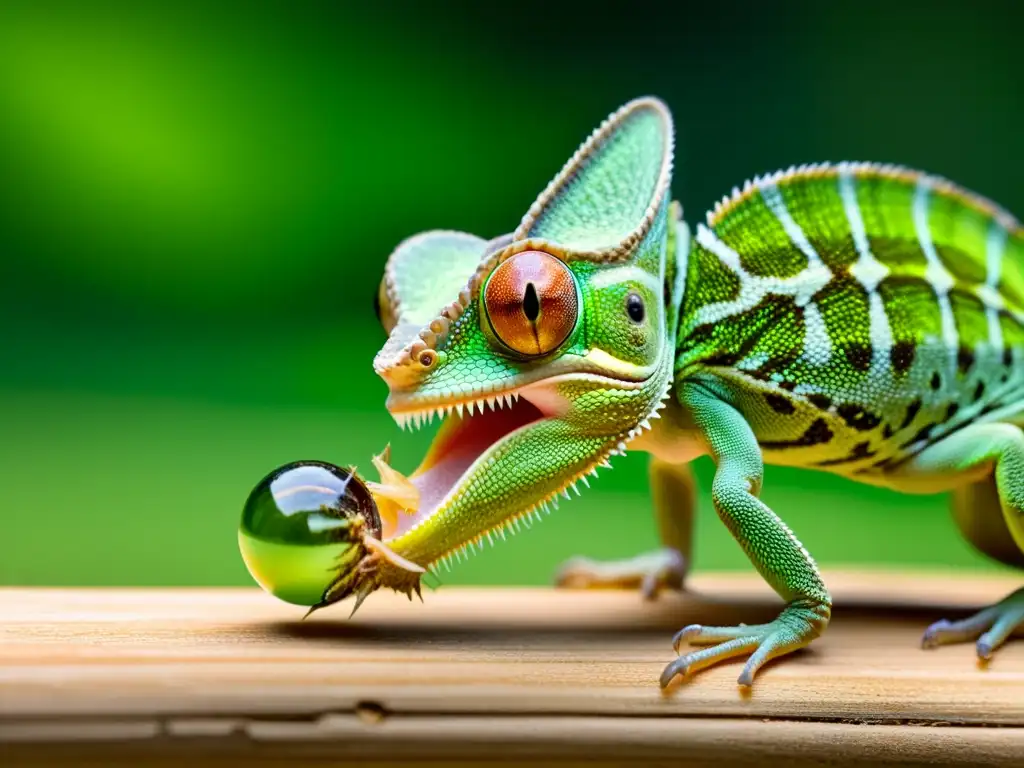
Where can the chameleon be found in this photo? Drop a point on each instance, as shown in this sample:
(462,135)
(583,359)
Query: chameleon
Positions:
(860,319)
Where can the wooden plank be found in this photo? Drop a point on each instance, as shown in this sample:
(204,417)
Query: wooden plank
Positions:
(492,666)
(546,741)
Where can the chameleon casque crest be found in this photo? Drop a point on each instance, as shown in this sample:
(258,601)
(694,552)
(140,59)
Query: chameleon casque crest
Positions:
(865,320)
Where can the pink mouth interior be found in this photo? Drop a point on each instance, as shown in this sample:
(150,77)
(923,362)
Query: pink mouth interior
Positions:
(460,442)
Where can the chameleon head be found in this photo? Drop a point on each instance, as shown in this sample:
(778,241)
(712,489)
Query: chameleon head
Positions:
(550,350)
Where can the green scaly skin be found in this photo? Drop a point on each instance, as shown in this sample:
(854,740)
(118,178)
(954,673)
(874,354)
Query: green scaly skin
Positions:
(858,319)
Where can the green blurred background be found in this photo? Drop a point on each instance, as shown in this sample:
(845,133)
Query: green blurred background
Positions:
(196,206)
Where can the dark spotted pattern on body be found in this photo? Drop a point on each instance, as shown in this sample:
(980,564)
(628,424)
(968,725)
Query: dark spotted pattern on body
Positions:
(859,452)
(816,434)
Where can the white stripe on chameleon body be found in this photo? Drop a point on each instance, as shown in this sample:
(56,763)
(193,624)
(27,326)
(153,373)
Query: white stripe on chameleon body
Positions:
(817,342)
(995,247)
(881,336)
(801,286)
(936,274)
(773,198)
(869,271)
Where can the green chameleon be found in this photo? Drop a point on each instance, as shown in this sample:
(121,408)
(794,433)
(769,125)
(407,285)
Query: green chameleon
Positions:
(861,319)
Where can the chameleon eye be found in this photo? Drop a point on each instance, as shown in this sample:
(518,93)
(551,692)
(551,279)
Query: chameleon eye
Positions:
(635,308)
(531,303)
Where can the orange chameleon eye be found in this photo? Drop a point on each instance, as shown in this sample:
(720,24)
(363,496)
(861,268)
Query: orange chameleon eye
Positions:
(531,302)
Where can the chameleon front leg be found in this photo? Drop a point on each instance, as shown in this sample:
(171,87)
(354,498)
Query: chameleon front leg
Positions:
(994,522)
(674,493)
(773,549)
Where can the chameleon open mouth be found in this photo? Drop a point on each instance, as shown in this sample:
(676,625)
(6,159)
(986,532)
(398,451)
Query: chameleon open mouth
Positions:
(470,431)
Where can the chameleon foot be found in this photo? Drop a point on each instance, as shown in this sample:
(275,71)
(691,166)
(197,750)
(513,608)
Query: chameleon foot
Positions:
(649,572)
(991,626)
(796,626)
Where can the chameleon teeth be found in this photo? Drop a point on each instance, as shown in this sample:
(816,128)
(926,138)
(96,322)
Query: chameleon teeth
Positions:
(417,419)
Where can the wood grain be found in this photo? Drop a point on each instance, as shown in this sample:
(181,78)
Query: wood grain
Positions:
(528,674)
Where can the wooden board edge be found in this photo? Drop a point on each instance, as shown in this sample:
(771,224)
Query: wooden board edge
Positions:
(376,738)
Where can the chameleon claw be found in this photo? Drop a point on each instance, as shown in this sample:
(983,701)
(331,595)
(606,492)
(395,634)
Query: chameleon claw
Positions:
(685,635)
(932,636)
(678,668)
(984,650)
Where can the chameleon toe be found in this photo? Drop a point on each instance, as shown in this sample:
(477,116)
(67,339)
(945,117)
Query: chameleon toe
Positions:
(794,628)
(991,626)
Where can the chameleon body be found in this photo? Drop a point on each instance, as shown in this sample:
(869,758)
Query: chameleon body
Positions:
(859,319)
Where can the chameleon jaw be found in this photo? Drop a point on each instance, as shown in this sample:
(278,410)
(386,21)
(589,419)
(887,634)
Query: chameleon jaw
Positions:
(470,431)
(467,443)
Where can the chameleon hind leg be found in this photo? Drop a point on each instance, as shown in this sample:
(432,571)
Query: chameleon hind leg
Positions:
(674,494)
(770,545)
(990,513)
